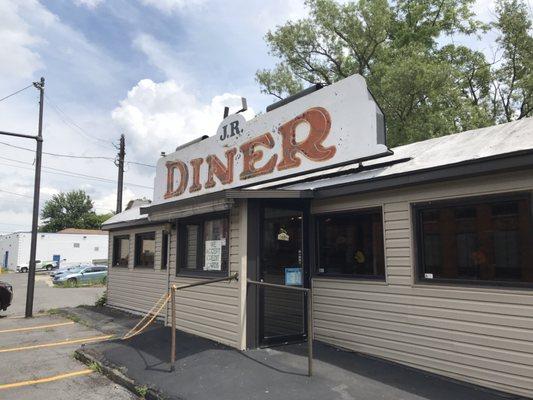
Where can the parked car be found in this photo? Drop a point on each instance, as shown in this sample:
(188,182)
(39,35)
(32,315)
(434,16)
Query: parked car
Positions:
(86,274)
(69,267)
(39,266)
(6,295)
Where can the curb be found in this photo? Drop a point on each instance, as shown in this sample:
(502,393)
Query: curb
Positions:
(117,376)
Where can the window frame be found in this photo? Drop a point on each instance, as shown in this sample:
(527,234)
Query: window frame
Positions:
(165,250)
(353,277)
(116,238)
(137,254)
(418,242)
(200,220)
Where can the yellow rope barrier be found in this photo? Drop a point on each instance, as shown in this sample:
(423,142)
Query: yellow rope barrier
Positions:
(156,304)
(133,333)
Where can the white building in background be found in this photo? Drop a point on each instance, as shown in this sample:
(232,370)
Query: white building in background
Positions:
(68,245)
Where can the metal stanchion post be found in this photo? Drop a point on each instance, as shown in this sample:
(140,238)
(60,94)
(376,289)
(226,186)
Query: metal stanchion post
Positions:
(310,331)
(173,326)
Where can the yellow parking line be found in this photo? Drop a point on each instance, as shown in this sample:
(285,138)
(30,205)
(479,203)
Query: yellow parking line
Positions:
(31,328)
(53,344)
(44,380)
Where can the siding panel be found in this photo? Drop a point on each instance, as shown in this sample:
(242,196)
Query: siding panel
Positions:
(212,311)
(483,335)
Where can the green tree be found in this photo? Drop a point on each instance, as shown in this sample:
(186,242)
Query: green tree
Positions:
(513,84)
(426,86)
(71,210)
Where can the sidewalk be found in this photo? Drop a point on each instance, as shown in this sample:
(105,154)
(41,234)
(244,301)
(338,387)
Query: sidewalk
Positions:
(208,370)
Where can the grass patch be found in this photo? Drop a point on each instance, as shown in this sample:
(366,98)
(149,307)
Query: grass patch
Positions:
(74,318)
(102,301)
(142,390)
(67,315)
(96,367)
(67,285)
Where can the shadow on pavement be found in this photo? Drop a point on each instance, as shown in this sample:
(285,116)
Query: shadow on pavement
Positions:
(208,370)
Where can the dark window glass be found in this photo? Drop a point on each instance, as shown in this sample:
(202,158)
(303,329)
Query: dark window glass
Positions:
(351,244)
(164,250)
(121,251)
(145,249)
(476,240)
(204,245)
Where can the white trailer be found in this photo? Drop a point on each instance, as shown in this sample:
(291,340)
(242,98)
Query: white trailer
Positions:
(65,247)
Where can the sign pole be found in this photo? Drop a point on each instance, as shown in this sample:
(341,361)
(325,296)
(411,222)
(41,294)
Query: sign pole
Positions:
(36,190)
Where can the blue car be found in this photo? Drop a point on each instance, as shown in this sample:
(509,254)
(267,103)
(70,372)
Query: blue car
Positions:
(81,275)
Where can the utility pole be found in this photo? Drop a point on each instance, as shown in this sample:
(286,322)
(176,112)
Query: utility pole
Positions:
(120,164)
(36,192)
(36,189)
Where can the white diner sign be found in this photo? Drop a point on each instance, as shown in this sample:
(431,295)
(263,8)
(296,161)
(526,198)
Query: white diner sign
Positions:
(335,125)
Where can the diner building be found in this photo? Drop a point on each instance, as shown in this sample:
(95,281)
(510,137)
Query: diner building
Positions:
(420,254)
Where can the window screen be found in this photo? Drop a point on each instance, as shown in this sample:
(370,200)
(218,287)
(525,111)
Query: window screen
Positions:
(351,244)
(476,240)
(121,251)
(204,245)
(145,249)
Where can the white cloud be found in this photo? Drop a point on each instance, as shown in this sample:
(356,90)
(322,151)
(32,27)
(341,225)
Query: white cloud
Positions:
(90,4)
(159,116)
(160,55)
(170,6)
(485,10)
(20,60)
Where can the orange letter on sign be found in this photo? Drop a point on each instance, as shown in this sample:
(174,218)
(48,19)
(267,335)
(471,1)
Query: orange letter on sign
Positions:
(184,178)
(216,168)
(251,156)
(319,123)
(196,185)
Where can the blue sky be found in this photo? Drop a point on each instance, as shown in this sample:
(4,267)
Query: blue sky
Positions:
(159,71)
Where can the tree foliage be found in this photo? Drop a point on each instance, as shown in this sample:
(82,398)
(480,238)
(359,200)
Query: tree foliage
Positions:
(426,85)
(71,210)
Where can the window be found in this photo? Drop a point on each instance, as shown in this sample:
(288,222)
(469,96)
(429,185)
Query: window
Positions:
(145,250)
(164,250)
(351,244)
(204,245)
(480,240)
(76,245)
(121,251)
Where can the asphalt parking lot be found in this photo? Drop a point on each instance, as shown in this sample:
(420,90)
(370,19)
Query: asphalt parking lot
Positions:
(37,361)
(37,354)
(46,296)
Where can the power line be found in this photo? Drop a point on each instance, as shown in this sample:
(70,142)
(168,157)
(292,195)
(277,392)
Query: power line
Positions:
(57,154)
(70,174)
(70,122)
(63,171)
(142,164)
(75,156)
(17,92)
(16,194)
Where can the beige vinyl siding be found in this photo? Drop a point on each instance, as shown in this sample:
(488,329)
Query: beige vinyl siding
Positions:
(482,335)
(136,289)
(213,311)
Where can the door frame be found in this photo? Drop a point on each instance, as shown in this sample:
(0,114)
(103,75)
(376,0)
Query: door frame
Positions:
(253,258)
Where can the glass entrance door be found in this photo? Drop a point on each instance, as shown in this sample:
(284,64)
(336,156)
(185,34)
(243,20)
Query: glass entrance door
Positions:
(282,311)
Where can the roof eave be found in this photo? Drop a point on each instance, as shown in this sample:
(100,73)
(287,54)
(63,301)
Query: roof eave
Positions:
(231,194)
(522,159)
(128,224)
